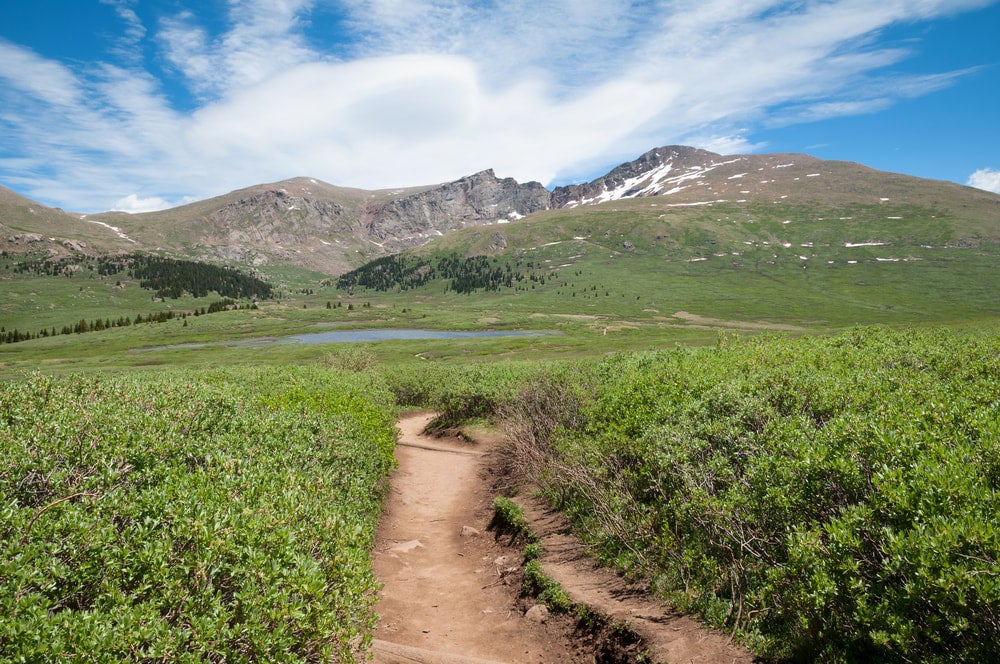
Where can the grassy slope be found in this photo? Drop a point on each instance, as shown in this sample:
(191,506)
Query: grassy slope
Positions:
(632,274)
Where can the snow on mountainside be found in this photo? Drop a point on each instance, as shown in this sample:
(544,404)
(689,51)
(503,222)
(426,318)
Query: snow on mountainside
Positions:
(660,172)
(695,176)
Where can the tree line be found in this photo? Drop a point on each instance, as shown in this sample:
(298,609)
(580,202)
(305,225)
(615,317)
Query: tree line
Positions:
(464,274)
(100,324)
(169,278)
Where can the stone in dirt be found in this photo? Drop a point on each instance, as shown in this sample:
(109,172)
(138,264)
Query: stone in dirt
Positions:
(539,613)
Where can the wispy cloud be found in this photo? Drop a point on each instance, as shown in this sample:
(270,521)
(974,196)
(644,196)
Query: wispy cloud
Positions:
(128,46)
(44,81)
(417,91)
(264,39)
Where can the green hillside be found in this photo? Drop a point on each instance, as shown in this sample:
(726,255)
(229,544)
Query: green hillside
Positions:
(807,266)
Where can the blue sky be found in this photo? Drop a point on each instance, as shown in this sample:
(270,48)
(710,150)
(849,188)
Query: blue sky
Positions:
(146,104)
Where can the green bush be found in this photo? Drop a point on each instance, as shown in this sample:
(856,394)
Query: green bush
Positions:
(461,392)
(223,516)
(829,498)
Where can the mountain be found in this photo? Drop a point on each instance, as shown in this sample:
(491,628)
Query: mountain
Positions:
(332,229)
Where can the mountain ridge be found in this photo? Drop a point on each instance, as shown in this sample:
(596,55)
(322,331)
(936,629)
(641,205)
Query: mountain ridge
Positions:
(309,223)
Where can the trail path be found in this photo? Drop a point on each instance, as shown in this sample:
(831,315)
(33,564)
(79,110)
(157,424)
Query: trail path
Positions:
(443,594)
(450,592)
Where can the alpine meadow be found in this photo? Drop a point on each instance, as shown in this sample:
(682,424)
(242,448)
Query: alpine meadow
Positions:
(764,388)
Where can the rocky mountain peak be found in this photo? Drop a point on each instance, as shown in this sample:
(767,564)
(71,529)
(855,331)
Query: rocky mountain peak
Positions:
(476,199)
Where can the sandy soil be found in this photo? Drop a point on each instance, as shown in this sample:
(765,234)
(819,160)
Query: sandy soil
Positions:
(451,591)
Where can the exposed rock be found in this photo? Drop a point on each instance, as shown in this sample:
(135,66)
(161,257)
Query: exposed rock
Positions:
(498,242)
(539,613)
(332,229)
(26,238)
(474,200)
(469,531)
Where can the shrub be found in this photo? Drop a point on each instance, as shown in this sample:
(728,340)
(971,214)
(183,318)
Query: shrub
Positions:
(194,516)
(828,498)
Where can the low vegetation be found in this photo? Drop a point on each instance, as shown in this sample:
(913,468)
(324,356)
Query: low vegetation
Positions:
(213,516)
(828,498)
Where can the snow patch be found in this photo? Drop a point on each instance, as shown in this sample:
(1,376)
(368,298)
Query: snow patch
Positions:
(695,204)
(116,230)
(656,182)
(851,245)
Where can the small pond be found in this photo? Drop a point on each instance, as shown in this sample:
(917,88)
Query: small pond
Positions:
(346,336)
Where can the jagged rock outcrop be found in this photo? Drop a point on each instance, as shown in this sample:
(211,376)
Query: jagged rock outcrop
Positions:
(477,199)
(277,211)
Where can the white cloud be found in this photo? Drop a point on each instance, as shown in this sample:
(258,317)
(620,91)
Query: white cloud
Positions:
(985,178)
(134,203)
(423,91)
(45,80)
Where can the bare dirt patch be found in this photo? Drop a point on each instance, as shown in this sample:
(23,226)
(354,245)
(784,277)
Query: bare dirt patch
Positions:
(736,324)
(452,591)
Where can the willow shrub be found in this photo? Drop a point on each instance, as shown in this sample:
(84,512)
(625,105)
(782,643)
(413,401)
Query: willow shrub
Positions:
(828,498)
(223,516)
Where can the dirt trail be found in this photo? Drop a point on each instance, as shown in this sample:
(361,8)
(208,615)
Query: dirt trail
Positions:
(442,590)
(450,594)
